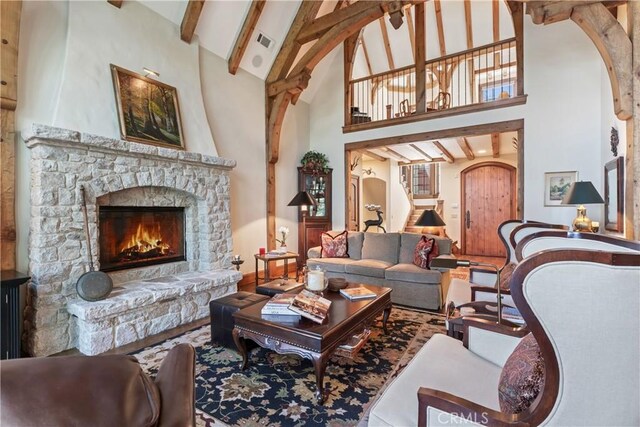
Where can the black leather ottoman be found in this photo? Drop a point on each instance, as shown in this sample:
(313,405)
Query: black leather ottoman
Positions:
(222,310)
(279,286)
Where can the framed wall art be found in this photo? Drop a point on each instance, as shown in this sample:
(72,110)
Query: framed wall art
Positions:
(147,109)
(556,185)
(614,195)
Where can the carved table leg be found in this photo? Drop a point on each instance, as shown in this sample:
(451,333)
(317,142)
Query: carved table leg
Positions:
(242,347)
(320,364)
(385,317)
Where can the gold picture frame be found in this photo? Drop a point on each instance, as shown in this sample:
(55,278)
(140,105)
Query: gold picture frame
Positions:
(556,185)
(148,110)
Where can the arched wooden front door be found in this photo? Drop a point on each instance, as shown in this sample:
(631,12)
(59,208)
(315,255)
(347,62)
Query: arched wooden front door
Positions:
(488,197)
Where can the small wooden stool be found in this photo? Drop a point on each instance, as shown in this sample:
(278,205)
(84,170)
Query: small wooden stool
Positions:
(222,310)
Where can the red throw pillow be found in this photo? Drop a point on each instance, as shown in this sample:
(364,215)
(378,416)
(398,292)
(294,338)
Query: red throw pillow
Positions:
(334,246)
(522,377)
(425,251)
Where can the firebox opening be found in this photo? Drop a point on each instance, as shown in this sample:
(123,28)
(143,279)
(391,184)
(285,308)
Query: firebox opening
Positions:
(135,236)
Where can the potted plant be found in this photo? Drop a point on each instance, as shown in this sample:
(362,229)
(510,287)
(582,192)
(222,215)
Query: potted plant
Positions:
(315,161)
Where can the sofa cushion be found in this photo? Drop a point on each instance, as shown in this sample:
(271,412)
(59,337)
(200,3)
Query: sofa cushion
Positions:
(334,246)
(425,251)
(381,246)
(408,242)
(368,267)
(412,273)
(522,377)
(442,364)
(355,241)
(335,265)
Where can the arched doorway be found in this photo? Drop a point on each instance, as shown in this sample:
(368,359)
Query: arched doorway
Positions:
(374,192)
(488,196)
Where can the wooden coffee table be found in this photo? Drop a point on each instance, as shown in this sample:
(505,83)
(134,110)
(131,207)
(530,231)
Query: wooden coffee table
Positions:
(308,339)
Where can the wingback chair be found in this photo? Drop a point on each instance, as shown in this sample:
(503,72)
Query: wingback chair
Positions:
(98,391)
(481,285)
(591,352)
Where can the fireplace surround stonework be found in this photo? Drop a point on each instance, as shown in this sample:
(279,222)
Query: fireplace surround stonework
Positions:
(146,300)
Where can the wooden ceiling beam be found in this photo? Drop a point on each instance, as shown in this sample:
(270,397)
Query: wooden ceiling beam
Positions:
(465,147)
(443,48)
(495,144)
(548,12)
(422,162)
(249,25)
(445,153)
(290,47)
(412,33)
(387,44)
(190,19)
(324,23)
(366,54)
(422,152)
(397,156)
(116,3)
(376,156)
(468,23)
(495,7)
(293,85)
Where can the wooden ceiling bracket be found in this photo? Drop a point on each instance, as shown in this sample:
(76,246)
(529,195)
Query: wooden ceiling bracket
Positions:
(445,153)
(190,19)
(294,85)
(465,147)
(115,3)
(250,22)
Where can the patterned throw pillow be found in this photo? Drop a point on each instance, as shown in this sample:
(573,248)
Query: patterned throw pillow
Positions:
(505,276)
(334,246)
(425,251)
(522,377)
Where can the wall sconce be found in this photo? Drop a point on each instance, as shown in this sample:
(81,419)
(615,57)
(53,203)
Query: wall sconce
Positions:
(150,72)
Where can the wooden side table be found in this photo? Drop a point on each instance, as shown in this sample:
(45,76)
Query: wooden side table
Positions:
(266,258)
(11,316)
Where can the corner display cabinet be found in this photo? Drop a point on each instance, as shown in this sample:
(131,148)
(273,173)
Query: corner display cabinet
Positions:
(318,218)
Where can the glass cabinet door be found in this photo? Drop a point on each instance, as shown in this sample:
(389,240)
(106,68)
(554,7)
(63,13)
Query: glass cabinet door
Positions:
(316,186)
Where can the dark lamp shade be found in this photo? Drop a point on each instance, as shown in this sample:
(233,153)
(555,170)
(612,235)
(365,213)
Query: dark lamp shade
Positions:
(582,193)
(430,218)
(303,199)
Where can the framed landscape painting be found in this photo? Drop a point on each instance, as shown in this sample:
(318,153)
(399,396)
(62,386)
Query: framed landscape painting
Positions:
(147,109)
(556,185)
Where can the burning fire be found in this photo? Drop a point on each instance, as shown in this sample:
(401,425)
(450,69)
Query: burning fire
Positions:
(146,240)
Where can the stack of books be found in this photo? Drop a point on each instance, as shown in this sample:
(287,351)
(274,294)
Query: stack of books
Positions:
(357,293)
(277,308)
(311,306)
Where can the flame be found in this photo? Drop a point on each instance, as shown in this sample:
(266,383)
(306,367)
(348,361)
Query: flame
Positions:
(146,239)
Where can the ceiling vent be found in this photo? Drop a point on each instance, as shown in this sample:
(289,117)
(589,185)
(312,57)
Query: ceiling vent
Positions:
(265,40)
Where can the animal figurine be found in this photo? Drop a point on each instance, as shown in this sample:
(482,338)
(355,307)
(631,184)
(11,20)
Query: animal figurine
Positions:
(375,222)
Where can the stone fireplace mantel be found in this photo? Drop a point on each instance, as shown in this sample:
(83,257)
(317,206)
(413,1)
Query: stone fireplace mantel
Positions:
(145,300)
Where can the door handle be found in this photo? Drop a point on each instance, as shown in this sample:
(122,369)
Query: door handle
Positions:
(467,219)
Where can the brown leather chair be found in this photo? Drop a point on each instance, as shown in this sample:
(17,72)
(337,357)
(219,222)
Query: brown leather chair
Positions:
(98,391)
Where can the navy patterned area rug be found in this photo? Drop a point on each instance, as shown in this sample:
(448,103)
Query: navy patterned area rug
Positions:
(278,390)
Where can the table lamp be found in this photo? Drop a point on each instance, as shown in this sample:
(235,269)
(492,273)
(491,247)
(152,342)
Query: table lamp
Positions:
(303,199)
(453,263)
(430,218)
(582,193)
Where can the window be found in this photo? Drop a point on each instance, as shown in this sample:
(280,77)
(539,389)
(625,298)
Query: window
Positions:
(424,180)
(497,90)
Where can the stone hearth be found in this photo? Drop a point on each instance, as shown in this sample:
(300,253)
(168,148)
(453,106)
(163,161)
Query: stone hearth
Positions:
(146,300)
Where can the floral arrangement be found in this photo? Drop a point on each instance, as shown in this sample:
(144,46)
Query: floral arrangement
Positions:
(284,232)
(315,161)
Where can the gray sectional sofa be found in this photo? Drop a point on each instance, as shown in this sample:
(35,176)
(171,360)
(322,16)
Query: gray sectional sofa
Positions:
(386,259)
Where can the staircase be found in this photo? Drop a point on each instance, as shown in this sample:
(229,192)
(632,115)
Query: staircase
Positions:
(410,226)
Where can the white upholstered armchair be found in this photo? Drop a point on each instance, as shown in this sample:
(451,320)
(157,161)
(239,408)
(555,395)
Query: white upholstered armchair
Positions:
(583,309)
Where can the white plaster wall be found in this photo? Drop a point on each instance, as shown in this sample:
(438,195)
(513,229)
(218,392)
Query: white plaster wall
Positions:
(379,170)
(131,37)
(400,204)
(562,117)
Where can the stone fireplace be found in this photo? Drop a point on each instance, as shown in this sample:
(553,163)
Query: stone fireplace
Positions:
(159,224)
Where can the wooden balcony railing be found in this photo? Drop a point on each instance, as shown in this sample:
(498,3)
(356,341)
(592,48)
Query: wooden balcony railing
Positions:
(475,76)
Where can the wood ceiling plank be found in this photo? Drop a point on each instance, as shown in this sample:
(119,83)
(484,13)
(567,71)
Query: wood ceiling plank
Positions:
(468,23)
(190,19)
(393,153)
(387,44)
(422,152)
(290,47)
(412,33)
(495,144)
(249,25)
(116,3)
(447,155)
(443,48)
(465,147)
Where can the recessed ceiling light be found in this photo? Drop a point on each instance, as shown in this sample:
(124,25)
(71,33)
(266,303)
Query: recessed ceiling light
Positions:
(482,151)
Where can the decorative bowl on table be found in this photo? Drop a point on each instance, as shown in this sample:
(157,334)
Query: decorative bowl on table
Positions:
(337,283)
